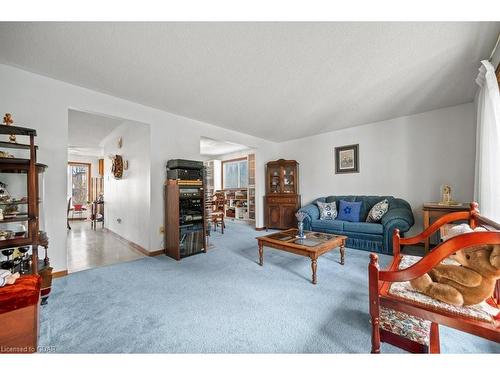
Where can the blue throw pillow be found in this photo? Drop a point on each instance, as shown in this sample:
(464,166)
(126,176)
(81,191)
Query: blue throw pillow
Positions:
(349,211)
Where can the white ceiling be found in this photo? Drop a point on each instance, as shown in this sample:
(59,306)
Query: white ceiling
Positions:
(86,131)
(277,81)
(214,147)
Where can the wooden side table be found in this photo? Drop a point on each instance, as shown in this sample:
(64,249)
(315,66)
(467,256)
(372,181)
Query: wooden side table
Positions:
(434,211)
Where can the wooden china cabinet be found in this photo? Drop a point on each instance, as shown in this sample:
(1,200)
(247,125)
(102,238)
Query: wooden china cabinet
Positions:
(282,198)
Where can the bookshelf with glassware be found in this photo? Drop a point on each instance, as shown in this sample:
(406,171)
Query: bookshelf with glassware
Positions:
(21,207)
(240,202)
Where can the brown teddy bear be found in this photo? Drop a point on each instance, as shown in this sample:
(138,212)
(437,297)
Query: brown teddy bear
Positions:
(468,284)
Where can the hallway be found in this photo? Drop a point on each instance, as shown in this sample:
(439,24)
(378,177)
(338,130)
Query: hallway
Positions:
(89,248)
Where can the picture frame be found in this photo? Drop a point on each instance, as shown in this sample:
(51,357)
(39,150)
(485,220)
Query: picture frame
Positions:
(347,159)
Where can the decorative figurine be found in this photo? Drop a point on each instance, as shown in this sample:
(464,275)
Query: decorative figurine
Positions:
(5,154)
(7,120)
(4,193)
(446,196)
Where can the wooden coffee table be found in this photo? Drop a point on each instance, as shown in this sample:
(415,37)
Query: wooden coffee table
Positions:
(313,246)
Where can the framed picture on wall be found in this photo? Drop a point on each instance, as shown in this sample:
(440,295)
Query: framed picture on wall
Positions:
(347,159)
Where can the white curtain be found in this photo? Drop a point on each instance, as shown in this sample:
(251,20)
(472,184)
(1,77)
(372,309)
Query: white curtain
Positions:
(487,178)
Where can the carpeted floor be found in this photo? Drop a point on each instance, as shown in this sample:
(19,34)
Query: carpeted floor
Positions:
(222,302)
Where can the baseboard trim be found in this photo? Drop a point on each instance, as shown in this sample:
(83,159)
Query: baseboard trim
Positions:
(260,228)
(57,274)
(156,252)
(134,245)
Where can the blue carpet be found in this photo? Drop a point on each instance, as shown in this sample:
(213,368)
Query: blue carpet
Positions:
(222,302)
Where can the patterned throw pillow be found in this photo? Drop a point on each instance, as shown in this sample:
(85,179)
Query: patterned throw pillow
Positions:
(327,211)
(377,211)
(349,211)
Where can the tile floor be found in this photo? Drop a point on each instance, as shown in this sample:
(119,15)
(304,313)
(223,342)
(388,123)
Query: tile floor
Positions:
(89,248)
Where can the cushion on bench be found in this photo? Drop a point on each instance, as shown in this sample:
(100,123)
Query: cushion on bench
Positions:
(24,292)
(405,325)
(482,312)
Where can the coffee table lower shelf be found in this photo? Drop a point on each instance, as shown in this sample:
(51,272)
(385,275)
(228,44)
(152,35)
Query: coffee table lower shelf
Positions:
(313,246)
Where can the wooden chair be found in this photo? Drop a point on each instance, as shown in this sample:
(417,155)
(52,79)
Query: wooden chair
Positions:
(217,215)
(385,291)
(79,209)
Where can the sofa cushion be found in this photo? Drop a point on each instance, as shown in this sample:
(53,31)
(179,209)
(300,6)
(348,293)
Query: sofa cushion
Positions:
(377,211)
(327,211)
(372,228)
(327,225)
(349,211)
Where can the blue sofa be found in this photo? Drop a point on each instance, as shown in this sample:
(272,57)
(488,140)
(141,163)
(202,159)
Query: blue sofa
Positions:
(361,235)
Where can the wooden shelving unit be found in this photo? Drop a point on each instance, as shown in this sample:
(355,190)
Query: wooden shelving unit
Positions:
(240,202)
(208,178)
(236,203)
(251,186)
(20,169)
(185,226)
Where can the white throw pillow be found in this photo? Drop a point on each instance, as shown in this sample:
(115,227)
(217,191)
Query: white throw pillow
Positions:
(456,230)
(378,210)
(327,211)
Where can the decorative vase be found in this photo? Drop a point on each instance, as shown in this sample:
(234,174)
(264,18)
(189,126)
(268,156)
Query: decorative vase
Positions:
(300,227)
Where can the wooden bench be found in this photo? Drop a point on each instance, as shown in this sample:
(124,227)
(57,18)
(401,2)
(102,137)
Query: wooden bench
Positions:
(19,305)
(389,289)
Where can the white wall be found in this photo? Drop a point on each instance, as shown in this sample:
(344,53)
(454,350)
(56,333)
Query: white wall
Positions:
(42,103)
(217,175)
(408,157)
(128,200)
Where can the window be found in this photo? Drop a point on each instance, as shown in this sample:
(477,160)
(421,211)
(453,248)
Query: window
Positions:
(78,179)
(235,174)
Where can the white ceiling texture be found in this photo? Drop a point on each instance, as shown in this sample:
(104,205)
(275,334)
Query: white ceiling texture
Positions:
(214,147)
(277,81)
(86,131)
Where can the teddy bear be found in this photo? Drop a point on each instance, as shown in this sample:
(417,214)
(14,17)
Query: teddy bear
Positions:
(469,283)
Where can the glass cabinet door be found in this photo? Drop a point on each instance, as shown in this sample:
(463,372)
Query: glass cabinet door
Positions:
(289,179)
(274,179)
(13,206)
